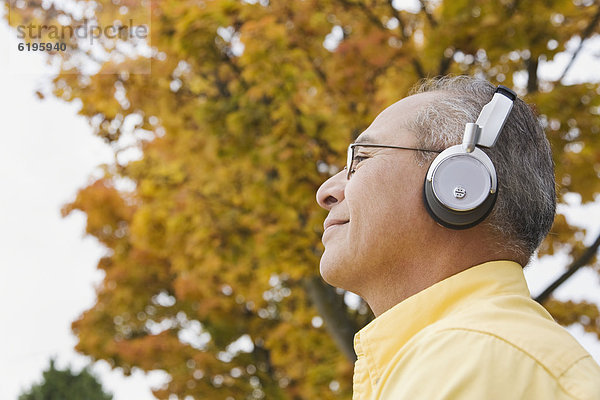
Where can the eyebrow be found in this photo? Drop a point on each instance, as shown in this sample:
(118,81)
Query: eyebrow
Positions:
(364,139)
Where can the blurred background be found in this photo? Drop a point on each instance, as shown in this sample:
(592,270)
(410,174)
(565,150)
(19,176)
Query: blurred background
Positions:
(158,218)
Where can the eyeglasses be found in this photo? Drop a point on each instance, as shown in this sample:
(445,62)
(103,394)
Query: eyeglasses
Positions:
(351,161)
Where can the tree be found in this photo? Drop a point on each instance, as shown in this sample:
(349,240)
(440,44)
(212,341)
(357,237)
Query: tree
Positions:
(65,384)
(213,244)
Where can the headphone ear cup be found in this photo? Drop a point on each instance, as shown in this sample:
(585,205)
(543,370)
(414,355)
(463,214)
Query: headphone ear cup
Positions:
(460,188)
(452,219)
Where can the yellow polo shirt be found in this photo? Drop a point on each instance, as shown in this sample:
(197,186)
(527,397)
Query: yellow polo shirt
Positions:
(475,335)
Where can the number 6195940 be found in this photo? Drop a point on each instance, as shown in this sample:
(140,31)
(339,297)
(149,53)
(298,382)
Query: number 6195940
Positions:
(42,46)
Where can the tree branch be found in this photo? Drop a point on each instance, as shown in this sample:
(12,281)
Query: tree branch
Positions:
(429,15)
(586,33)
(377,21)
(582,261)
(444,65)
(332,309)
(532,78)
(415,62)
(367,11)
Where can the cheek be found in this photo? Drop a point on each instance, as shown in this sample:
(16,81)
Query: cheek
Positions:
(403,191)
(373,206)
(381,202)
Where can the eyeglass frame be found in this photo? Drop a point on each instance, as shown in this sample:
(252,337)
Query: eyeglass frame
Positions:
(352,146)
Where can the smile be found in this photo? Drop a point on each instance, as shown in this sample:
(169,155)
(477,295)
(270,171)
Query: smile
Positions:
(334,224)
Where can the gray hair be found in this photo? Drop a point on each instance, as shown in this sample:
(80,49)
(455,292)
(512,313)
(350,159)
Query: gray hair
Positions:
(526,204)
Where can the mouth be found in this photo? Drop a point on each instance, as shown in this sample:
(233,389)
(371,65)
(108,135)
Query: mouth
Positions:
(331,224)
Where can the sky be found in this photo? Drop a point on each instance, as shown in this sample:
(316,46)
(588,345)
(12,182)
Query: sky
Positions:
(48,267)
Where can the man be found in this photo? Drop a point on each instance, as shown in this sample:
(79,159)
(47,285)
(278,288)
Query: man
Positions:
(454,317)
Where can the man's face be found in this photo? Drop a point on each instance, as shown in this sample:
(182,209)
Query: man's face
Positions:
(378,218)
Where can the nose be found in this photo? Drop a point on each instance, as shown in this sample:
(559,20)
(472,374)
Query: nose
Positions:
(332,190)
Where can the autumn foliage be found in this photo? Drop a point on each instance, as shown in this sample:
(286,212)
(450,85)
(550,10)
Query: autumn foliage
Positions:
(213,233)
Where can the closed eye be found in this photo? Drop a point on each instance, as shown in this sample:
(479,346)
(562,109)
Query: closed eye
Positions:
(358,159)
(356,162)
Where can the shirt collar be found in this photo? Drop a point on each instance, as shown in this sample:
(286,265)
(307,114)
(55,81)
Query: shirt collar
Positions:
(392,329)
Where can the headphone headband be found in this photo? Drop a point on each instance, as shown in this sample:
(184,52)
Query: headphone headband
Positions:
(494,114)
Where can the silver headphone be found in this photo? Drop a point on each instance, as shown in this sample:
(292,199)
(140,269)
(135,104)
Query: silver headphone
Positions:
(461,185)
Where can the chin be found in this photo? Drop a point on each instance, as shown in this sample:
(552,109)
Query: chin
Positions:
(328,270)
(334,271)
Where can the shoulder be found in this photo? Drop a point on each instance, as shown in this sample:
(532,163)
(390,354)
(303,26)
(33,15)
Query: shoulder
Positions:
(520,326)
(476,355)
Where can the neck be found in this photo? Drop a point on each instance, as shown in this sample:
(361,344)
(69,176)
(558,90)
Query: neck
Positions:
(408,276)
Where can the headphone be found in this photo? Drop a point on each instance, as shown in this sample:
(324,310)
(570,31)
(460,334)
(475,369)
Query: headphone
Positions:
(461,185)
